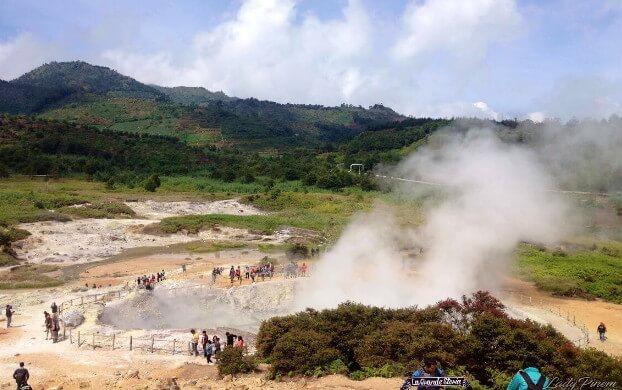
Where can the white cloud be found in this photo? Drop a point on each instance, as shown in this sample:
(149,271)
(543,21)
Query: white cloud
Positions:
(489,112)
(23,53)
(269,51)
(464,28)
(537,116)
(262,52)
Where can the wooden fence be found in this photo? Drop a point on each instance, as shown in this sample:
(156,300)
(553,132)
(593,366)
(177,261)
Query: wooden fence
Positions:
(92,298)
(570,317)
(129,343)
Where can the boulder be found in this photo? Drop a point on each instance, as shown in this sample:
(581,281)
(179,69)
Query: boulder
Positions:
(73,318)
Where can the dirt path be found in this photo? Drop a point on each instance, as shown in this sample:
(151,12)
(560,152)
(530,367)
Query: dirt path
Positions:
(590,313)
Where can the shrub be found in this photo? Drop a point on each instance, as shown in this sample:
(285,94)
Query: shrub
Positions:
(472,337)
(152,183)
(303,351)
(234,361)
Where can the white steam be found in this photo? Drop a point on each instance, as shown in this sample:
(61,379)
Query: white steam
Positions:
(495,197)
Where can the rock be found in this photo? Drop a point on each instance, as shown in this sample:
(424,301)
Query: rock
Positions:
(56,388)
(131,374)
(191,383)
(84,385)
(227,378)
(73,318)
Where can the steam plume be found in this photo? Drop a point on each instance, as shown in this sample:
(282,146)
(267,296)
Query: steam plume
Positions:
(495,197)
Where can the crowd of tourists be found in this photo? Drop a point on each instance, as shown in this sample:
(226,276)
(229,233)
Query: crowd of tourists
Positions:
(148,282)
(211,348)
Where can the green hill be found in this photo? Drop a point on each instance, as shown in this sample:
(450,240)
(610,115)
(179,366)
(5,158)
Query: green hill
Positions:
(58,83)
(94,95)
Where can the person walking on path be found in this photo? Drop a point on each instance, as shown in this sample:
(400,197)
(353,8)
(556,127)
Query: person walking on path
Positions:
(204,341)
(209,351)
(9,315)
(602,329)
(21,376)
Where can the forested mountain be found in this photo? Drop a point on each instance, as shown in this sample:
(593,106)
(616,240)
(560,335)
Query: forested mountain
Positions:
(93,95)
(58,83)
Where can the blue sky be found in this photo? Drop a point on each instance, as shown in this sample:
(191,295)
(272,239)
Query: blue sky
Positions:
(495,58)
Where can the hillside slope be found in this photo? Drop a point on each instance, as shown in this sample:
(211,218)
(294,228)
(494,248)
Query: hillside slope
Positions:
(94,95)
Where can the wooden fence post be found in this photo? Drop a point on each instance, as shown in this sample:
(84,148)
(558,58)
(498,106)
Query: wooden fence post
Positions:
(113,337)
(82,301)
(174,341)
(70,337)
(93,341)
(130,343)
(78,339)
(152,342)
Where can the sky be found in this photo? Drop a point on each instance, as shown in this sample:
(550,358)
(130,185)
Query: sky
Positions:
(498,59)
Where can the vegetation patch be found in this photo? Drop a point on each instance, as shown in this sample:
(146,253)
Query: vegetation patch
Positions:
(363,341)
(213,246)
(264,224)
(100,209)
(29,276)
(232,361)
(591,272)
(7,260)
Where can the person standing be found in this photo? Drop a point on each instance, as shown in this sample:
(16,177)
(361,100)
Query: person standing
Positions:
(216,347)
(529,378)
(21,376)
(55,327)
(48,324)
(602,329)
(9,315)
(54,308)
(194,340)
(429,368)
(239,343)
(232,274)
(230,339)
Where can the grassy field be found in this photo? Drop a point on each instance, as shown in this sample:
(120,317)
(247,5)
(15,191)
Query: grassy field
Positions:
(29,276)
(585,271)
(213,246)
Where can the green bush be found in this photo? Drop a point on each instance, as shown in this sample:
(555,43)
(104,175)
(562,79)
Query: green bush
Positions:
(152,183)
(235,361)
(472,337)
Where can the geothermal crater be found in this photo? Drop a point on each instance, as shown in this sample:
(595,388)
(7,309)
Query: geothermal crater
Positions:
(184,306)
